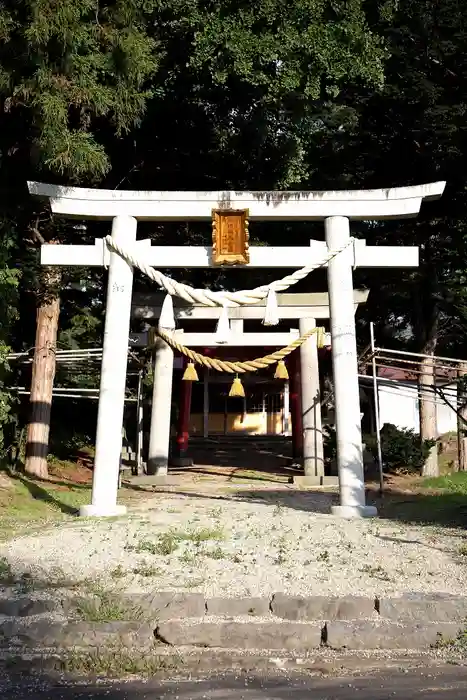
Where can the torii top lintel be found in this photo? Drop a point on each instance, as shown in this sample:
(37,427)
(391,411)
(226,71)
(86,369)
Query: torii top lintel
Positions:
(83,203)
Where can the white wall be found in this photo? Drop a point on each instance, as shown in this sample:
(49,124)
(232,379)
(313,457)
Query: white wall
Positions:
(398,403)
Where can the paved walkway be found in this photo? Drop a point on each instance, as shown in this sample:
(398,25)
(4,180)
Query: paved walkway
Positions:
(449,683)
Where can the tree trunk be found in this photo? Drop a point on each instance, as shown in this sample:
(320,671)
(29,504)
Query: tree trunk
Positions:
(428,423)
(462,424)
(43,373)
(427,313)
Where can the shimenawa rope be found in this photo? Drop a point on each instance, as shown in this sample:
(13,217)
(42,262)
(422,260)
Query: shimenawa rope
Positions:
(236,367)
(206,296)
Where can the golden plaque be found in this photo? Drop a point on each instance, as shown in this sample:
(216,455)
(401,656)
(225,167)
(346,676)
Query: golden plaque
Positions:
(230,237)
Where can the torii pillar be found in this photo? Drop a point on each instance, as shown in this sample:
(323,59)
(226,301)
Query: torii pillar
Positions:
(335,208)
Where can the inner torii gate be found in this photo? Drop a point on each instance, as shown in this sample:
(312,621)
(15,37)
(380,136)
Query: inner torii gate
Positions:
(305,310)
(336,208)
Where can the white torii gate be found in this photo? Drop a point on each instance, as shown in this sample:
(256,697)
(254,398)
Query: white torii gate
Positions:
(336,208)
(304,308)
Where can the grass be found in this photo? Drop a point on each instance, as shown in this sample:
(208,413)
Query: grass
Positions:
(29,505)
(119,662)
(24,581)
(282,550)
(457,646)
(440,500)
(323,556)
(118,572)
(216,553)
(375,572)
(168,542)
(147,570)
(106,606)
(453,483)
(6,572)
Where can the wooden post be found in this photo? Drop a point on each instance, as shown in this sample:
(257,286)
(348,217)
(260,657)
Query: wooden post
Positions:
(462,419)
(206,403)
(313,457)
(139,425)
(183,432)
(296,405)
(43,373)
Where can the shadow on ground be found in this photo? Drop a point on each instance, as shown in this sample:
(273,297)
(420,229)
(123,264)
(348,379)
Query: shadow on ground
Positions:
(444,509)
(265,454)
(442,683)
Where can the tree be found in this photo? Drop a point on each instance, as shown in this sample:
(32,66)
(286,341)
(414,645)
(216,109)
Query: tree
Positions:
(68,70)
(412,131)
(243,88)
(9,278)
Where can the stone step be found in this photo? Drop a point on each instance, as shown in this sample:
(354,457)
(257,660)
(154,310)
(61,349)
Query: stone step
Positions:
(162,605)
(278,622)
(235,633)
(184,662)
(306,636)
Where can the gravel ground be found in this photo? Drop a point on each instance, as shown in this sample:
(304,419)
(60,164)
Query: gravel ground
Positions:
(247,543)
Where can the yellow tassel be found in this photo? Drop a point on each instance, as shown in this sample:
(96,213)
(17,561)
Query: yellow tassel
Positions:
(281,371)
(320,337)
(190,374)
(237,388)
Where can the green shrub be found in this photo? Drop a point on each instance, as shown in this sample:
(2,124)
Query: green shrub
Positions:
(329,442)
(402,449)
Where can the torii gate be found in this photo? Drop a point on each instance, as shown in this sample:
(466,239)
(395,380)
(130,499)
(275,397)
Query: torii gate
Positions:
(305,309)
(336,208)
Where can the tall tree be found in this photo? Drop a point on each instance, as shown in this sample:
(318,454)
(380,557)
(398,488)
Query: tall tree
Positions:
(68,70)
(9,278)
(414,131)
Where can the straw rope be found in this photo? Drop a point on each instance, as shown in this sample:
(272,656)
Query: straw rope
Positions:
(236,367)
(205,296)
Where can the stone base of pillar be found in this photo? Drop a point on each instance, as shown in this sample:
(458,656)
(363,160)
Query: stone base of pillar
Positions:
(304,480)
(354,511)
(155,480)
(181,461)
(156,469)
(102,511)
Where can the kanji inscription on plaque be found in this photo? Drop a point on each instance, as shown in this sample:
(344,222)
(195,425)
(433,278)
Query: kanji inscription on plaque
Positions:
(230,237)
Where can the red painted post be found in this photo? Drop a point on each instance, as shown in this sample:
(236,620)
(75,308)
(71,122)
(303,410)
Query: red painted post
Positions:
(296,405)
(183,431)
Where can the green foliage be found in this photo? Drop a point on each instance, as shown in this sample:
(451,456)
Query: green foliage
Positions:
(9,279)
(329,442)
(65,65)
(402,449)
(452,483)
(311,50)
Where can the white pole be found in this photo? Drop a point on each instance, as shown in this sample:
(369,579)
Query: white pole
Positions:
(159,438)
(113,377)
(286,426)
(376,403)
(313,456)
(418,354)
(345,370)
(206,403)
(139,423)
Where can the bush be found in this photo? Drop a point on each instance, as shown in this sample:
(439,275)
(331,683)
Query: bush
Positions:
(329,443)
(402,449)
